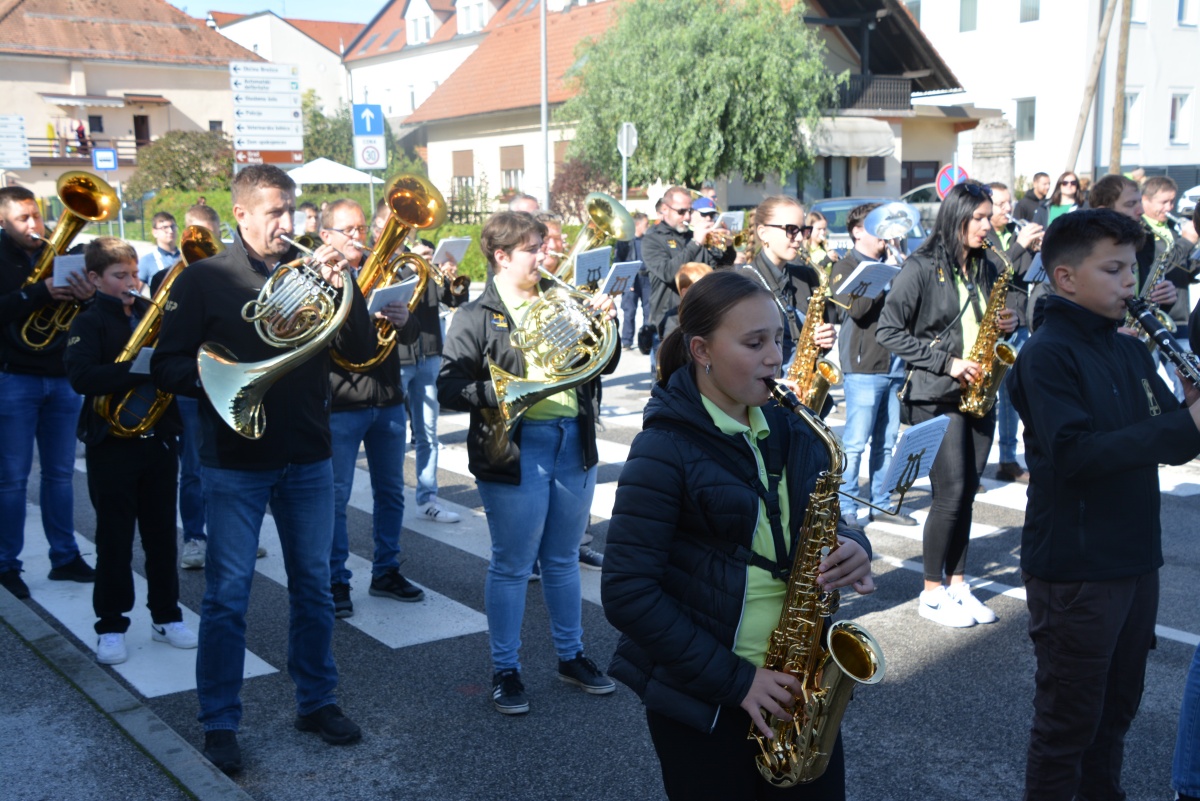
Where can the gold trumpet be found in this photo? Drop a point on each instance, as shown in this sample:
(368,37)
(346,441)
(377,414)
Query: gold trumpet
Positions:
(415,204)
(86,198)
(134,413)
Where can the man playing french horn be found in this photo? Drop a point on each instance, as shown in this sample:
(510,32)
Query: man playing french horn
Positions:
(288,465)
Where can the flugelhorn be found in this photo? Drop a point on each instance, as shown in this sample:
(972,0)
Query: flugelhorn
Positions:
(86,198)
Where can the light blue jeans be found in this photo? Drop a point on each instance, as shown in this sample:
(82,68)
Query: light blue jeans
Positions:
(1006,415)
(301,499)
(419,383)
(46,411)
(1185,770)
(541,518)
(191,494)
(382,431)
(872,413)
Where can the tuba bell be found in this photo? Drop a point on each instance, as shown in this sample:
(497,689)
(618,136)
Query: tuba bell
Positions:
(86,198)
(607,220)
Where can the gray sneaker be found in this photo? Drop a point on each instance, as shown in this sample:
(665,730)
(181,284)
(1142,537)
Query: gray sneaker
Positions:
(193,555)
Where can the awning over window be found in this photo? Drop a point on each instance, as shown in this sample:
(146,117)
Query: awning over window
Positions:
(853,136)
(146,100)
(89,101)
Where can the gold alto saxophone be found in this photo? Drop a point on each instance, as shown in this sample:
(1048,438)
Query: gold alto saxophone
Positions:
(990,352)
(828,667)
(812,374)
(1158,271)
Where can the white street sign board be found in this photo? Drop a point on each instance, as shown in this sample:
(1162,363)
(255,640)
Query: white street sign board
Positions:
(261,69)
(268,128)
(274,100)
(268,142)
(264,84)
(14,147)
(370,152)
(279,114)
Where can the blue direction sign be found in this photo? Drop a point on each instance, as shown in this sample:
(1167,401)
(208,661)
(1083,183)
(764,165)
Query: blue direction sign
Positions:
(368,119)
(104,159)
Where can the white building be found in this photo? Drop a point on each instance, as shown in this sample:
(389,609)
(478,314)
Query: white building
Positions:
(1031,58)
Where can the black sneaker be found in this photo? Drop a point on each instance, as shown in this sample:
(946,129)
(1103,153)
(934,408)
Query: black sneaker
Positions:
(221,749)
(394,585)
(329,722)
(583,673)
(75,570)
(590,559)
(508,693)
(342,605)
(11,581)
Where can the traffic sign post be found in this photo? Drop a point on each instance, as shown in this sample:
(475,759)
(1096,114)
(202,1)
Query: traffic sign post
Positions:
(268,124)
(370,143)
(104,159)
(626,143)
(14,147)
(947,178)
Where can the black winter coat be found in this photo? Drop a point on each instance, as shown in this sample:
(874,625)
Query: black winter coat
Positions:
(671,584)
(859,348)
(664,251)
(17,302)
(1098,422)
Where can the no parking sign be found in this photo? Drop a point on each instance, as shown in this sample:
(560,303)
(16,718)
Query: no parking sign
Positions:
(947,177)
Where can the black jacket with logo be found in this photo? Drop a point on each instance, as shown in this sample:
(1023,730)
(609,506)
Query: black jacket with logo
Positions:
(1027,206)
(206,306)
(481,332)
(858,346)
(1098,422)
(429,323)
(1181,268)
(17,302)
(664,251)
(1017,300)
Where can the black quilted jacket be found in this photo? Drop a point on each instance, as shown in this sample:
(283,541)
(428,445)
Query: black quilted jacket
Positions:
(671,584)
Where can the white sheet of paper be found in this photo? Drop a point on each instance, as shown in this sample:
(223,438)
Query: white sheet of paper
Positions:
(921,442)
(141,362)
(620,277)
(454,247)
(868,279)
(591,265)
(1036,274)
(65,265)
(734,220)
(396,293)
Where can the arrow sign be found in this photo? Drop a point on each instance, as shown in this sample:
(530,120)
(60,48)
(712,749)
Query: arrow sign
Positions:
(368,119)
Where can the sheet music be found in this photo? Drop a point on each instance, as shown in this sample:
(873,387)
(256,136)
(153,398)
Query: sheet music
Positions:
(141,362)
(733,220)
(65,265)
(868,279)
(396,293)
(591,265)
(1036,273)
(917,448)
(454,247)
(620,277)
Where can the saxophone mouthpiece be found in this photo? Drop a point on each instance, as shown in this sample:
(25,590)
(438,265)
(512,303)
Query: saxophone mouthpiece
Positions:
(780,392)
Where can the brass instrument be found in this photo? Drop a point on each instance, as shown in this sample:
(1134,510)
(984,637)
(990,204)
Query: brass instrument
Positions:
(890,222)
(994,355)
(296,309)
(813,374)
(133,414)
(1158,271)
(86,198)
(828,666)
(607,219)
(415,204)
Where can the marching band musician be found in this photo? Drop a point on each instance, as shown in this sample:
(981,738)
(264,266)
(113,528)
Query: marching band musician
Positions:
(696,572)
(36,401)
(289,467)
(931,318)
(536,485)
(1173,242)
(368,410)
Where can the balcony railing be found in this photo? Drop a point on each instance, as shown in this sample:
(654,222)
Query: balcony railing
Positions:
(876,93)
(65,149)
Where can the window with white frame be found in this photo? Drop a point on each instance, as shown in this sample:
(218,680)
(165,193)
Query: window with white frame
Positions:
(1031,10)
(1180,130)
(1138,11)
(1026,118)
(967,15)
(1186,14)
(472,16)
(420,29)
(1132,134)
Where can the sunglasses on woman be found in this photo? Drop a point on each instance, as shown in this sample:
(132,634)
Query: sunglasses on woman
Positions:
(792,231)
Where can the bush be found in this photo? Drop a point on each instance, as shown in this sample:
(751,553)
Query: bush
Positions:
(184,160)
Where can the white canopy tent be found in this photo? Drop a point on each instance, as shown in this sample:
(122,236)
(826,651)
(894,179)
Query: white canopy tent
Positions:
(325,171)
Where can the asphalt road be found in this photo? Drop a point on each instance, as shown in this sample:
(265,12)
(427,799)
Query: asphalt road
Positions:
(950,720)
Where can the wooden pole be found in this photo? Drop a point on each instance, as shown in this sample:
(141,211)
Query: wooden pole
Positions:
(1089,92)
(1118,129)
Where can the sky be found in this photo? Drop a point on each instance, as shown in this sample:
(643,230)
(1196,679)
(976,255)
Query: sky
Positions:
(351,11)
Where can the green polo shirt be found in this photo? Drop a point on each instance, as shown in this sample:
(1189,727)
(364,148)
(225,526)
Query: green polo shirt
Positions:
(560,404)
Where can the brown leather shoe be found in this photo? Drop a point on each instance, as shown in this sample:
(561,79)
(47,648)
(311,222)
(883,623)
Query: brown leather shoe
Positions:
(1011,471)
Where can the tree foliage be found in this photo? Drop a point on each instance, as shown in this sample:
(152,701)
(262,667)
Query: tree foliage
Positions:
(714,87)
(572,184)
(332,137)
(185,160)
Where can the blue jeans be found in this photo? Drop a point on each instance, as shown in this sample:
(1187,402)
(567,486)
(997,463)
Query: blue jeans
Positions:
(301,499)
(638,293)
(1006,415)
(1185,770)
(382,430)
(419,382)
(45,410)
(541,518)
(191,494)
(872,412)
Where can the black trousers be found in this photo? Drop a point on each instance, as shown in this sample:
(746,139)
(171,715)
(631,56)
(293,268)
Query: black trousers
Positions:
(1091,640)
(955,477)
(720,766)
(133,482)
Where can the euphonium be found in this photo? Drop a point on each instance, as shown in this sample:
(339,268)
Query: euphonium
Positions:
(86,198)
(134,413)
(812,374)
(827,665)
(415,204)
(296,309)
(990,352)
(608,219)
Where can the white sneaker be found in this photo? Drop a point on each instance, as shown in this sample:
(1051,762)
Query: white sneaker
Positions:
(434,511)
(938,606)
(111,649)
(176,634)
(961,593)
(194,552)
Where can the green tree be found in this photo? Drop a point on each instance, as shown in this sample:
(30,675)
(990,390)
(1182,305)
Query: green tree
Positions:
(184,160)
(332,137)
(714,86)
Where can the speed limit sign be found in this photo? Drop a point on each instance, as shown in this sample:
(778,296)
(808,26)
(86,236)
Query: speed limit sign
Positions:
(369,153)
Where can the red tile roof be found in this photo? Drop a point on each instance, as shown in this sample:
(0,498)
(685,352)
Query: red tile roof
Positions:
(223,18)
(336,36)
(114,30)
(473,88)
(386,33)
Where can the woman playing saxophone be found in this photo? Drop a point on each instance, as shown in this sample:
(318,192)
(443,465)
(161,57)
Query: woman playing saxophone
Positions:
(694,617)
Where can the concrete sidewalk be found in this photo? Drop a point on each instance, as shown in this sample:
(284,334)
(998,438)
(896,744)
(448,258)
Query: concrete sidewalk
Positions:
(73,731)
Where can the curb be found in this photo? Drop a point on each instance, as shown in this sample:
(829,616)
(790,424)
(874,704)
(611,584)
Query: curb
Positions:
(175,755)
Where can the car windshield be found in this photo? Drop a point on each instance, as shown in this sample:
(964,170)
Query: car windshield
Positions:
(838,209)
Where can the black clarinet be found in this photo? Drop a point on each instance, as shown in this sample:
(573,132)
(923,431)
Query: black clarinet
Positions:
(1184,362)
